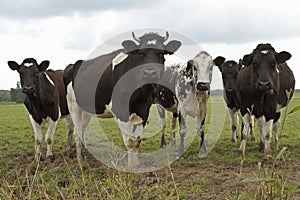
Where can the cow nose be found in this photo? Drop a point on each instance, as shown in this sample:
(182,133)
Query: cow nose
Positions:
(150,73)
(27,90)
(202,86)
(264,84)
(229,90)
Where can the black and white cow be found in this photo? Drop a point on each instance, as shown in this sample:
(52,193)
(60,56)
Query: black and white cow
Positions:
(229,71)
(119,84)
(262,87)
(186,95)
(45,100)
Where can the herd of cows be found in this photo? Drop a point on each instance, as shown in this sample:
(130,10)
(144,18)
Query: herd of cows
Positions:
(125,83)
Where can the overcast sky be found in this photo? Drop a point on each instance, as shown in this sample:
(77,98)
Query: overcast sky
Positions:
(64,31)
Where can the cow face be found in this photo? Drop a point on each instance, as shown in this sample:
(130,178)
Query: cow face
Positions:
(229,71)
(264,65)
(29,72)
(149,53)
(203,64)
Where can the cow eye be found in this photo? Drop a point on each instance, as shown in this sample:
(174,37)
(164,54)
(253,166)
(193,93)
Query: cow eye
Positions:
(36,74)
(272,64)
(255,65)
(141,54)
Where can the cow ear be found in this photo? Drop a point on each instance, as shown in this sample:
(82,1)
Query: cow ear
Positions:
(190,66)
(219,62)
(282,56)
(240,65)
(129,46)
(172,46)
(13,65)
(44,65)
(247,59)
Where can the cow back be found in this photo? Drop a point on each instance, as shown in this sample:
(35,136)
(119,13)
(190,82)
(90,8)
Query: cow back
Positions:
(287,84)
(60,90)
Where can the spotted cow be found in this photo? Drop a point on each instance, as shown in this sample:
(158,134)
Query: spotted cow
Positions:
(186,94)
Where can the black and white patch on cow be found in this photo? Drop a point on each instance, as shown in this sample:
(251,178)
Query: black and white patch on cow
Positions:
(187,90)
(45,100)
(229,71)
(262,87)
(124,79)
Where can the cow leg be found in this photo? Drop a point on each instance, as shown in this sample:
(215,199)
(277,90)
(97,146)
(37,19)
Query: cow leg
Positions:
(173,128)
(252,136)
(276,130)
(81,120)
(260,124)
(70,127)
(183,130)
(49,136)
(162,115)
(245,130)
(38,138)
(132,141)
(266,132)
(200,131)
(234,123)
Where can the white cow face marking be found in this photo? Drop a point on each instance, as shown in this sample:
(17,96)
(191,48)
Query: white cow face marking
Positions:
(264,51)
(152,42)
(28,64)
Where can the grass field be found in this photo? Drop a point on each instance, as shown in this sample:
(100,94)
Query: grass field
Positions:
(219,175)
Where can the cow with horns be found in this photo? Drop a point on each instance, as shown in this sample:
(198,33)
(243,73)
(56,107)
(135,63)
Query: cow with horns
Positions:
(119,84)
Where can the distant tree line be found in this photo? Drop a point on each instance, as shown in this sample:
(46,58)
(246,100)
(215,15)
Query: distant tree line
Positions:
(14,95)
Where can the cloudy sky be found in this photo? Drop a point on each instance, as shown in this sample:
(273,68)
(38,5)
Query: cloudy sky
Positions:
(64,31)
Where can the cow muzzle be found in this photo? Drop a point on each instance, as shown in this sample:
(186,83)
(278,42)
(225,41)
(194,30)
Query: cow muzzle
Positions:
(264,85)
(202,86)
(230,90)
(27,90)
(150,75)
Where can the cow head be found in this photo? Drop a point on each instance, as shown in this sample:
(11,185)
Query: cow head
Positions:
(29,72)
(149,53)
(229,71)
(203,64)
(264,61)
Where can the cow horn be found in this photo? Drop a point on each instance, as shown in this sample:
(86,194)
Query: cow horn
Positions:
(138,39)
(167,36)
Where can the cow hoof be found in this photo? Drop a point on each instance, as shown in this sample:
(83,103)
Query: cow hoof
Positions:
(50,158)
(163,144)
(233,140)
(202,150)
(261,147)
(267,161)
(181,149)
(252,138)
(38,157)
(268,153)
(275,145)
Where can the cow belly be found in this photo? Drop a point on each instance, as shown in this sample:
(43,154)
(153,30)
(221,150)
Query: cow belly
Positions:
(189,105)
(107,112)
